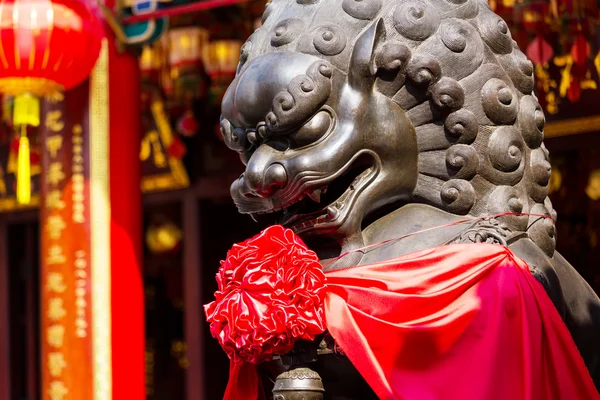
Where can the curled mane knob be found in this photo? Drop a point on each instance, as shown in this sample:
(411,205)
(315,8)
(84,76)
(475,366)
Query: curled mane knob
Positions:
(456,34)
(550,209)
(416,19)
(495,33)
(362,9)
(392,57)
(462,126)
(509,199)
(540,172)
(424,70)
(329,39)
(457,46)
(506,149)
(464,9)
(458,196)
(499,101)
(447,94)
(286,31)
(503,162)
(462,161)
(519,68)
(531,121)
(304,95)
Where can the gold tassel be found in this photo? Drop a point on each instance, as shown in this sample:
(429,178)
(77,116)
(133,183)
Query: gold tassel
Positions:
(23,169)
(26,112)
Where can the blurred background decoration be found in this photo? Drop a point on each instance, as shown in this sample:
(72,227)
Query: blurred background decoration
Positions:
(144,32)
(593,186)
(561,38)
(163,236)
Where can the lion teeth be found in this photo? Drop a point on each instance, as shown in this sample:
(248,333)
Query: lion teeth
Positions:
(332,213)
(315,195)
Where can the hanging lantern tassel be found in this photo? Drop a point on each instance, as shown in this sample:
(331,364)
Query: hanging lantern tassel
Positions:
(23,169)
(26,112)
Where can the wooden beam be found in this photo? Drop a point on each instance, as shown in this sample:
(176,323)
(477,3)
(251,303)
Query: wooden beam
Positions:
(4,316)
(572,126)
(192,289)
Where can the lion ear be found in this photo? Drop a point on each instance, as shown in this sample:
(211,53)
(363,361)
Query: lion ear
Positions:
(361,75)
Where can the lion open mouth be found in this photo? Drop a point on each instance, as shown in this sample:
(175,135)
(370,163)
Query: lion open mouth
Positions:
(326,204)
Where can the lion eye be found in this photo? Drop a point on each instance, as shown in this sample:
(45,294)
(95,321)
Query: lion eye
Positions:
(313,130)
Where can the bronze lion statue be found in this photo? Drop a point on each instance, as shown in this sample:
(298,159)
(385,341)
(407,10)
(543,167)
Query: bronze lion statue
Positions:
(360,121)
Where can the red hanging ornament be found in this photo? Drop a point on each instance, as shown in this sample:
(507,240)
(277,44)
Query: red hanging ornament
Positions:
(47,46)
(177,149)
(187,125)
(580,51)
(539,51)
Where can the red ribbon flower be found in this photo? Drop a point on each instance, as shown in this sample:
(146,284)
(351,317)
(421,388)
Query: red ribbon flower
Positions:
(271,292)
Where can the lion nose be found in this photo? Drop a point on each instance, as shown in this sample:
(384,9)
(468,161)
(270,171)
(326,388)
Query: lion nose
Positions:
(267,183)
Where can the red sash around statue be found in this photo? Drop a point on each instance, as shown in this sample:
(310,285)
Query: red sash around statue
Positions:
(465,321)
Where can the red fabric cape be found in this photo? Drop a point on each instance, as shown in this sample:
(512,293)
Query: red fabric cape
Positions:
(453,322)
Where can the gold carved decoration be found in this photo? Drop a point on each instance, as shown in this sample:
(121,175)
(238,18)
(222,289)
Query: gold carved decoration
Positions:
(154,146)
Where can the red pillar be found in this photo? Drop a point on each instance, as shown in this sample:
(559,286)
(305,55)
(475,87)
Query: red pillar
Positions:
(127,289)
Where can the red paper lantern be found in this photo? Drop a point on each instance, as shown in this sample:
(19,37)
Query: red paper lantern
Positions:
(45,46)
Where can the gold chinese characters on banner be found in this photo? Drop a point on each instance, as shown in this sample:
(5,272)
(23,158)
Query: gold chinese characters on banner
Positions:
(65,274)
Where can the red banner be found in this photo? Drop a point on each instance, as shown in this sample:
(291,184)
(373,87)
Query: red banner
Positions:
(67,371)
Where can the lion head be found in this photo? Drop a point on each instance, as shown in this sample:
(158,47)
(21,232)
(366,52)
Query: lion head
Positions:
(342,107)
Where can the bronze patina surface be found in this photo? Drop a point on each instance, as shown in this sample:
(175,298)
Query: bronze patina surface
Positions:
(365,120)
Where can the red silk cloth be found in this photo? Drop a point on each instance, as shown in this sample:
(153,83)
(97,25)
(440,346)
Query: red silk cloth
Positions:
(464,322)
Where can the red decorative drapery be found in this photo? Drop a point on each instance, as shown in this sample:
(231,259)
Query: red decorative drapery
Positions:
(453,322)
